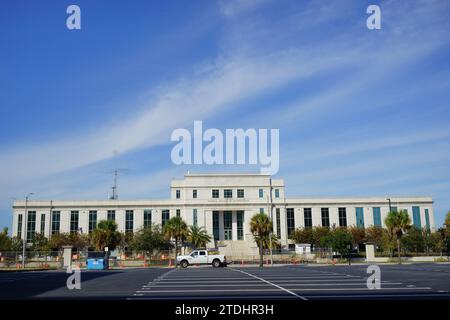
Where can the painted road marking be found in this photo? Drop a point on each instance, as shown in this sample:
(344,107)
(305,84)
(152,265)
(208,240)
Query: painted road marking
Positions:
(275,285)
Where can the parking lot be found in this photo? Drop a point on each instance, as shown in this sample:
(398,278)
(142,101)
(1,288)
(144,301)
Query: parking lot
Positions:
(299,282)
(293,282)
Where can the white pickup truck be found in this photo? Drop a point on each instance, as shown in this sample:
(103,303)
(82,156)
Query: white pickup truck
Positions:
(202,257)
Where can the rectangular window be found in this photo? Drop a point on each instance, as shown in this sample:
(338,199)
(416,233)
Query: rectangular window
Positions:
(215,193)
(177,193)
(147,218)
(278,217)
(227,225)
(92,220)
(216,225)
(194,217)
(416,217)
(307,212)
(427,219)
(277,193)
(261,193)
(111,215)
(290,221)
(228,193)
(165,216)
(240,225)
(19,226)
(74,218)
(240,193)
(42,223)
(394,209)
(325,212)
(31,226)
(178,212)
(342,217)
(194,194)
(376,216)
(360,217)
(129,221)
(261,210)
(56,221)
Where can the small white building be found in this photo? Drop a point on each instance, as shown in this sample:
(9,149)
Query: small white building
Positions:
(223,204)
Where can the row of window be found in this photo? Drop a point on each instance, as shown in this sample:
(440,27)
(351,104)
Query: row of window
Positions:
(227,193)
(92,221)
(342,214)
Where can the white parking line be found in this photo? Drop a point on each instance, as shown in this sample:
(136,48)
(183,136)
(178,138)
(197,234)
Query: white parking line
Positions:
(275,285)
(257,284)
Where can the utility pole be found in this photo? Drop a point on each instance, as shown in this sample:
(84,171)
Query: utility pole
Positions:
(115,194)
(24,228)
(390,208)
(271,220)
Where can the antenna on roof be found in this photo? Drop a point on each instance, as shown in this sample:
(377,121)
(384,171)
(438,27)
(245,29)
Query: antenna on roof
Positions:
(115,194)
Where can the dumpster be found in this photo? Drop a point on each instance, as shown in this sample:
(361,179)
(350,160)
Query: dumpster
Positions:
(97,261)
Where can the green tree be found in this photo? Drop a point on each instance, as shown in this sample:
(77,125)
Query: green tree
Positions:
(388,242)
(437,242)
(176,229)
(260,227)
(198,236)
(5,240)
(40,243)
(303,235)
(374,235)
(320,237)
(339,240)
(16,246)
(149,240)
(105,235)
(358,235)
(398,223)
(413,240)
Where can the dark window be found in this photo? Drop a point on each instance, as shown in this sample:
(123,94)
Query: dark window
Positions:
(278,223)
(277,193)
(74,218)
(56,221)
(194,217)
(360,217)
(92,220)
(240,225)
(19,226)
(290,219)
(177,192)
(215,193)
(42,223)
(216,225)
(342,217)
(325,217)
(194,194)
(261,210)
(307,212)
(261,193)
(240,193)
(31,226)
(228,193)
(129,219)
(165,216)
(147,218)
(178,212)
(111,215)
(227,225)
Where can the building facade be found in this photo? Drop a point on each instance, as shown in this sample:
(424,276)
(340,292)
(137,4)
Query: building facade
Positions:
(223,204)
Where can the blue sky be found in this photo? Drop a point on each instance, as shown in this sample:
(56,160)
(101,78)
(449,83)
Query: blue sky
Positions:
(360,112)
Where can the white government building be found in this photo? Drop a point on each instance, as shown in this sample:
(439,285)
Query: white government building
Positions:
(223,204)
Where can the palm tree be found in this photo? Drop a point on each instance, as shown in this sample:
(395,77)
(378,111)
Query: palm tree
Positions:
(176,229)
(398,223)
(105,235)
(198,236)
(260,227)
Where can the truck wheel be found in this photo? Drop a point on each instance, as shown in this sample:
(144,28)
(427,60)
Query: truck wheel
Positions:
(216,263)
(184,264)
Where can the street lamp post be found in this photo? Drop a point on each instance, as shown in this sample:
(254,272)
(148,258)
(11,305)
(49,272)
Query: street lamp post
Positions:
(24,228)
(269,207)
(390,208)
